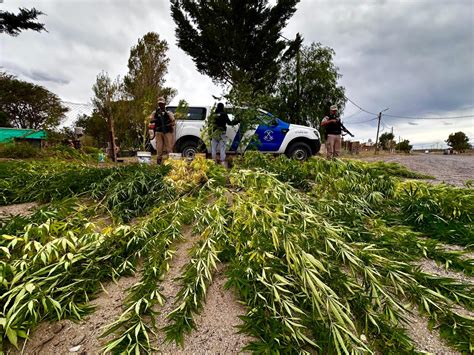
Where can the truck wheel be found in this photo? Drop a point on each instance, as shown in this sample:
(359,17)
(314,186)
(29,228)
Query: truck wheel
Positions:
(299,151)
(189,149)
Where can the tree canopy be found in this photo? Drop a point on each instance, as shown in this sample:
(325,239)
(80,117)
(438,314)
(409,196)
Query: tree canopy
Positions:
(94,126)
(404,146)
(386,140)
(458,141)
(234,41)
(305,90)
(147,67)
(26,105)
(12,24)
(143,84)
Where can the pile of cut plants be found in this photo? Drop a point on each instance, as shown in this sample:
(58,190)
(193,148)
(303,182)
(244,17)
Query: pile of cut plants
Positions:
(324,254)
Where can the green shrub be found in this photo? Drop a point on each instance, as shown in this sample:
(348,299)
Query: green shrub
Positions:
(91,150)
(64,152)
(18,151)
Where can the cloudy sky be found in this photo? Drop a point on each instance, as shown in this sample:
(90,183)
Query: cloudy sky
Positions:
(415,57)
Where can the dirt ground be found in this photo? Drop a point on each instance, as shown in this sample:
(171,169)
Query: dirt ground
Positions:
(216,325)
(66,336)
(452,169)
(21,209)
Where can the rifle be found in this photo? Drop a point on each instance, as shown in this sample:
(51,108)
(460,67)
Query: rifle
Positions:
(345,129)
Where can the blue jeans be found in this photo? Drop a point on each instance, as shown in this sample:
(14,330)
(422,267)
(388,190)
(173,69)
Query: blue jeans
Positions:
(218,142)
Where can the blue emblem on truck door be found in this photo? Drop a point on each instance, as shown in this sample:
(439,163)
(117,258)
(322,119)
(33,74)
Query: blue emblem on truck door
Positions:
(271,135)
(268,135)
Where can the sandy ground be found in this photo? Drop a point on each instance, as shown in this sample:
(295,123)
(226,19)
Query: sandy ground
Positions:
(452,169)
(424,339)
(216,325)
(21,209)
(417,326)
(66,336)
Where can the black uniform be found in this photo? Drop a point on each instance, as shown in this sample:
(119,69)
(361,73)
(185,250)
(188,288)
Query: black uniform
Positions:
(334,127)
(162,121)
(221,121)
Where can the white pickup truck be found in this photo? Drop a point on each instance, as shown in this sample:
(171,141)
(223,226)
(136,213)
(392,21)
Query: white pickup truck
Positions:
(274,135)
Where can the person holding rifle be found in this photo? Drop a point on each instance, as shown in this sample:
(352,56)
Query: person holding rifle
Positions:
(334,129)
(164,129)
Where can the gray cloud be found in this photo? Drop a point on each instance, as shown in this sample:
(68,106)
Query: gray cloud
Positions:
(43,76)
(414,57)
(413,123)
(34,75)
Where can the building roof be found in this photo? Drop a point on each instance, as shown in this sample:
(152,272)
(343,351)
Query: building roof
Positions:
(10,134)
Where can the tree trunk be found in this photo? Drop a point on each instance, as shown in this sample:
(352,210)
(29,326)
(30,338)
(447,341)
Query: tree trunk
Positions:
(113,151)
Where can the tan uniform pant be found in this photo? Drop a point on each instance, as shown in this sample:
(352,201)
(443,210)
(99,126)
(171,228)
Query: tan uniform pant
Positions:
(164,143)
(333,145)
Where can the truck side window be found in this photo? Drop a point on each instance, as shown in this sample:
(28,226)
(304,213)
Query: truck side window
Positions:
(194,113)
(197,113)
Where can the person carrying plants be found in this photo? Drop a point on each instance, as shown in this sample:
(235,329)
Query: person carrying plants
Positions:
(334,129)
(218,132)
(164,129)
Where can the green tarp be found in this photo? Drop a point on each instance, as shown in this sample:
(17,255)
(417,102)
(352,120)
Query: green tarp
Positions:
(10,134)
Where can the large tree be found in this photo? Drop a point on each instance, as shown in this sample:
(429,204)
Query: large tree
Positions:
(458,141)
(307,86)
(94,126)
(386,141)
(234,41)
(106,94)
(143,84)
(404,146)
(12,24)
(27,105)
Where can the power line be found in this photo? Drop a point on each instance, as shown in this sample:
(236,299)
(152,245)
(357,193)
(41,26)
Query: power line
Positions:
(360,108)
(354,114)
(384,125)
(409,117)
(429,118)
(372,119)
(76,103)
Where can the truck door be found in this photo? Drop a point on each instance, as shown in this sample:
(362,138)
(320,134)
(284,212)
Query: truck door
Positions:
(270,133)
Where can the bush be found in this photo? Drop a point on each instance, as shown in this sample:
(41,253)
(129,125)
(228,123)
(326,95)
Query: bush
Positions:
(19,151)
(68,153)
(91,150)
(24,150)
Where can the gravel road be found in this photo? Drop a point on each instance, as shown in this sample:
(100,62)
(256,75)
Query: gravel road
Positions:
(452,169)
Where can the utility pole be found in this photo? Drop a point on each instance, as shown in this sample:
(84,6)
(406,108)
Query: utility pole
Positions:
(298,75)
(298,40)
(378,129)
(391,142)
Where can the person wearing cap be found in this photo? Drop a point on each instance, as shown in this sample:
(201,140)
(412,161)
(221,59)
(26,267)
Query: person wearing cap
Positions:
(333,126)
(164,129)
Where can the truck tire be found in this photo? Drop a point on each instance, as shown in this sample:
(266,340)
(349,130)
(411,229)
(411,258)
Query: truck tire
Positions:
(299,151)
(189,149)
